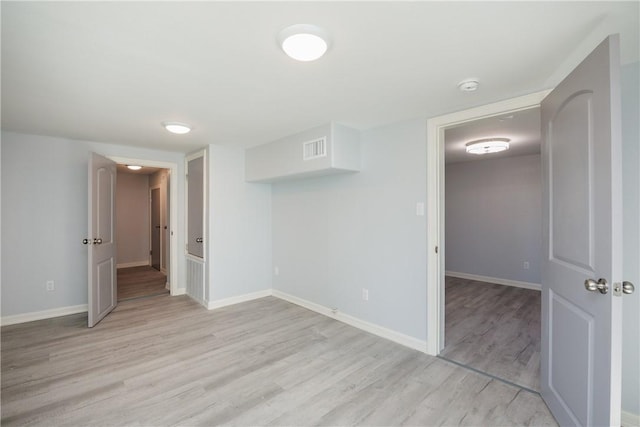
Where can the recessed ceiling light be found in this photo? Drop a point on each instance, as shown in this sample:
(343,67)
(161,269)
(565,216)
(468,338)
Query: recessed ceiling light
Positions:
(486,146)
(134,167)
(468,85)
(175,127)
(303,42)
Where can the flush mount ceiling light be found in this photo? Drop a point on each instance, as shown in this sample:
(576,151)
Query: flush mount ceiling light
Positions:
(486,146)
(134,167)
(303,42)
(468,85)
(175,127)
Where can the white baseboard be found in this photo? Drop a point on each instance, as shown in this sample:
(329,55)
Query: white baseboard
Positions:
(179,291)
(211,305)
(372,328)
(45,314)
(133,264)
(496,280)
(628,419)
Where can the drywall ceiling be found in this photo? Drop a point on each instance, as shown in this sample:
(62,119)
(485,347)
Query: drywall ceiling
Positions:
(521,128)
(113,71)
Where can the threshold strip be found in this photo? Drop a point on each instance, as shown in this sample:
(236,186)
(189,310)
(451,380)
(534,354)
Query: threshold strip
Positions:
(144,296)
(502,380)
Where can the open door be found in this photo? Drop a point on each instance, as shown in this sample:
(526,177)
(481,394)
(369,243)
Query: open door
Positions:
(581,283)
(156,227)
(101,241)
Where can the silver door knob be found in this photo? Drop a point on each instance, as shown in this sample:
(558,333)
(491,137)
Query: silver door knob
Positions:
(97,241)
(601,285)
(86,241)
(199,240)
(628,288)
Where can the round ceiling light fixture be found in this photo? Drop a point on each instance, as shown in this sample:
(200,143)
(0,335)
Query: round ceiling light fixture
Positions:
(134,167)
(178,128)
(489,145)
(303,42)
(469,85)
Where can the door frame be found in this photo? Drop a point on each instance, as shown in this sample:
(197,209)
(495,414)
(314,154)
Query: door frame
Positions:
(435,203)
(173,208)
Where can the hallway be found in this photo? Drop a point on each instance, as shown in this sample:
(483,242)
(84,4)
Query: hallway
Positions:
(138,282)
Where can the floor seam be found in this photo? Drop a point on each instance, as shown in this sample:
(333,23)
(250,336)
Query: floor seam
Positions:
(486,374)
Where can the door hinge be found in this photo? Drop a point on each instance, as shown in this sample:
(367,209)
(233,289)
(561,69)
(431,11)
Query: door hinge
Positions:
(436,249)
(150,252)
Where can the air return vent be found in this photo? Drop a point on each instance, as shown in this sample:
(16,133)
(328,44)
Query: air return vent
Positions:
(315,149)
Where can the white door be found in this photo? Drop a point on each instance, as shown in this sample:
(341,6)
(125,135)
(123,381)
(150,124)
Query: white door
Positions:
(101,241)
(581,328)
(156,228)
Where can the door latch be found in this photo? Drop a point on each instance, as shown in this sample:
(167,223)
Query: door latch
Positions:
(623,288)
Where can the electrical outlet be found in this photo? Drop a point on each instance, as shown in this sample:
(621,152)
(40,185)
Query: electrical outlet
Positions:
(365,294)
(51,286)
(525,265)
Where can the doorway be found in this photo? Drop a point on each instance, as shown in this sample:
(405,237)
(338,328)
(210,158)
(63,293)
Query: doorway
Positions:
(142,231)
(436,204)
(493,235)
(161,176)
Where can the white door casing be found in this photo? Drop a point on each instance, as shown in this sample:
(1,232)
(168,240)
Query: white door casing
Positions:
(582,217)
(435,203)
(102,278)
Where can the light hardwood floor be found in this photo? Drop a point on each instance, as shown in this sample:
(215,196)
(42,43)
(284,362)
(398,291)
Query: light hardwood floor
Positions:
(168,361)
(143,281)
(494,328)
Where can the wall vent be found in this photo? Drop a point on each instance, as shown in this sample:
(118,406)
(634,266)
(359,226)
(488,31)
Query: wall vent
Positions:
(315,149)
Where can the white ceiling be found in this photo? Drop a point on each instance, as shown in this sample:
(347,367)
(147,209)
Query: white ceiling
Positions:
(522,128)
(112,71)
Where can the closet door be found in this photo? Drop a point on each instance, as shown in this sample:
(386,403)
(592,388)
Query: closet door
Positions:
(195,207)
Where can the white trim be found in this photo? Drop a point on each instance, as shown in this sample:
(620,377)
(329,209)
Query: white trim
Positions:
(173,206)
(496,280)
(133,264)
(211,305)
(45,314)
(179,291)
(380,331)
(629,419)
(435,203)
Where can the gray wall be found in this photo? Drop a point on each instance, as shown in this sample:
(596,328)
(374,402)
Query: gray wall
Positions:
(239,228)
(44,218)
(493,218)
(333,236)
(631,238)
(132,219)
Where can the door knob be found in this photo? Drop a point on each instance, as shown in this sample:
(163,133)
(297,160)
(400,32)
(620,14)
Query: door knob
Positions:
(628,288)
(199,240)
(85,241)
(97,241)
(601,285)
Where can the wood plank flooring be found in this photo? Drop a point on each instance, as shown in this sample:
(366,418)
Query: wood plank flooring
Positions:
(143,281)
(494,328)
(165,361)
